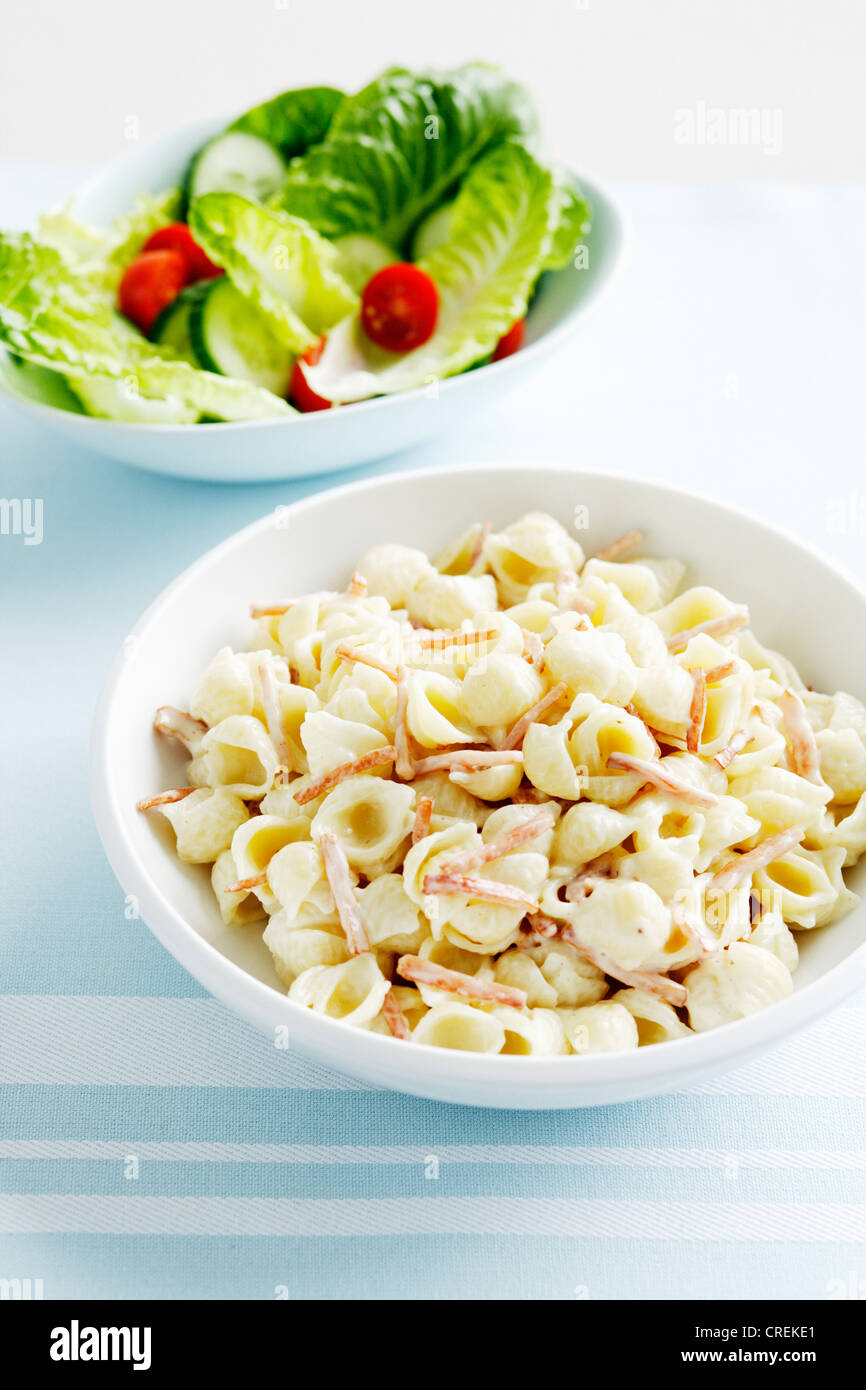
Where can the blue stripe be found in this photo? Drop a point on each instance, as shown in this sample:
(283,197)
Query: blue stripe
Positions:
(434,1267)
(118,951)
(244,1115)
(106,1177)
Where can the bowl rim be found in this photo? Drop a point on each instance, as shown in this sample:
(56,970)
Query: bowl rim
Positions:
(116,168)
(265,1007)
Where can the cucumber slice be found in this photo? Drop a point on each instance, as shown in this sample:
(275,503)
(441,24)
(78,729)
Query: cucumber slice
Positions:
(432,232)
(171,328)
(360,257)
(236,162)
(231,337)
(110,398)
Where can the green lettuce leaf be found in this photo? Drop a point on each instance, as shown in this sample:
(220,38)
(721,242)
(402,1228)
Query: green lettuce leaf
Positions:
(501,234)
(54,318)
(397,148)
(571,227)
(293,120)
(116,398)
(572,224)
(278,262)
(100,254)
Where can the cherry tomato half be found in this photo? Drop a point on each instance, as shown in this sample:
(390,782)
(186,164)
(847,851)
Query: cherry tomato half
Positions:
(399,307)
(301,394)
(153,280)
(510,342)
(178,237)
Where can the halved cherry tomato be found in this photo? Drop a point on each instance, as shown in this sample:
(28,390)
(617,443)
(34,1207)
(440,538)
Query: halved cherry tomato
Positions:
(399,307)
(153,280)
(301,394)
(510,342)
(178,237)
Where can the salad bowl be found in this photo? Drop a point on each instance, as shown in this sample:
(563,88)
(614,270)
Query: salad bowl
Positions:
(272,449)
(314,544)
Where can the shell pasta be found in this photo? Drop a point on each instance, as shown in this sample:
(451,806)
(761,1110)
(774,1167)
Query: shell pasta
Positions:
(520,799)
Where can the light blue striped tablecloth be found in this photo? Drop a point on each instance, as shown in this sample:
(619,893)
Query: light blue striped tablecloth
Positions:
(153,1145)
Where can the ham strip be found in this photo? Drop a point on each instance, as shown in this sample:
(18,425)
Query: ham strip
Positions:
(395,1017)
(467,759)
(495,849)
(165,798)
(697,711)
(404,765)
(735,745)
(714,674)
(713,627)
(366,659)
(426,972)
(488,890)
(518,731)
(533,649)
(357,586)
(423,814)
(697,931)
(801,737)
(439,640)
(177,724)
(620,546)
(660,777)
(246,885)
(340,881)
(328,780)
(660,985)
(269,610)
(745,864)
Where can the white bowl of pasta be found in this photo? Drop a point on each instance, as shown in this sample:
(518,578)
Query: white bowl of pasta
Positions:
(546,823)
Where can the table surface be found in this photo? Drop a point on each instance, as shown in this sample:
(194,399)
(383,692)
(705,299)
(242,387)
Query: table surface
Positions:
(151,1143)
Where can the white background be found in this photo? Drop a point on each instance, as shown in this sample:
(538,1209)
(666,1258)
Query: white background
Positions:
(80,79)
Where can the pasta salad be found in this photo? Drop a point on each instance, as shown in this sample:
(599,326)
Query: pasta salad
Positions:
(520,800)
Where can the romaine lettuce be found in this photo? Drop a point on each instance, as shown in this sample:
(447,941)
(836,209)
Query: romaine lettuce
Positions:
(100,254)
(53,317)
(501,234)
(278,262)
(572,222)
(293,120)
(398,147)
(115,398)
